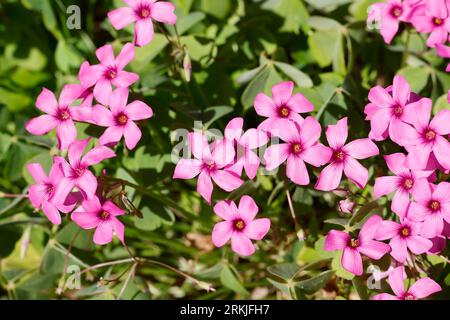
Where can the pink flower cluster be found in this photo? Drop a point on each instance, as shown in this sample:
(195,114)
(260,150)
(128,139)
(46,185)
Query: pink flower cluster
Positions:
(224,160)
(421,197)
(71,184)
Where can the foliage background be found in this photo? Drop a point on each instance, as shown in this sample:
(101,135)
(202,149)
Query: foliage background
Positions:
(238,48)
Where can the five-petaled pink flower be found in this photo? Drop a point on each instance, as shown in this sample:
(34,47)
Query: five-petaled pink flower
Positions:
(422,288)
(391,111)
(430,138)
(209,163)
(282,105)
(301,146)
(110,71)
(403,236)
(103,217)
(343,158)
(141,12)
(433,18)
(120,117)
(86,85)
(240,225)
(403,183)
(41,193)
(60,115)
(76,171)
(432,206)
(246,142)
(353,247)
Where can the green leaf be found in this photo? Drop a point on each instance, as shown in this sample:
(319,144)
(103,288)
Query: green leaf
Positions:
(327,48)
(255,86)
(66,57)
(83,240)
(417,77)
(54,258)
(212,114)
(285,271)
(300,78)
(9,235)
(230,281)
(293,11)
(315,283)
(218,9)
(363,212)
(14,101)
(337,221)
(187,22)
(441,104)
(145,54)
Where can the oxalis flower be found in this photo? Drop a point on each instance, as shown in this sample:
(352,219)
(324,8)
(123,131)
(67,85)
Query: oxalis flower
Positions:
(110,71)
(433,18)
(391,111)
(403,183)
(353,247)
(41,193)
(60,115)
(282,105)
(403,236)
(429,141)
(432,206)
(208,164)
(141,12)
(240,225)
(120,117)
(103,217)
(246,142)
(343,158)
(76,171)
(301,146)
(422,288)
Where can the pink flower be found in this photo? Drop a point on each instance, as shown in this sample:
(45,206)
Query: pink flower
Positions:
(433,19)
(353,247)
(86,85)
(141,12)
(76,172)
(422,288)
(119,119)
(430,138)
(403,183)
(110,71)
(208,164)
(103,217)
(41,193)
(390,111)
(301,146)
(346,206)
(389,14)
(282,105)
(404,236)
(239,225)
(60,115)
(246,142)
(343,158)
(432,206)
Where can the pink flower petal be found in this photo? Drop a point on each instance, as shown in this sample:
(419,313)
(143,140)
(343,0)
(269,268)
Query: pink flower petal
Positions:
(86,220)
(121,17)
(336,240)
(384,296)
(257,229)
(422,191)
(226,209)
(104,233)
(423,113)
(265,106)
(138,110)
(418,245)
(62,191)
(399,249)
(111,136)
(330,177)
(296,171)
(102,91)
(143,32)
(46,102)
(36,194)
(223,153)
(233,130)
(300,104)
(369,228)
(254,138)
(118,100)
(199,146)
(70,93)
(51,212)
(282,92)
(222,233)
(337,134)
(317,155)
(361,149)
(400,202)
(226,180)
(105,55)
(401,90)
(132,135)
(442,151)
(424,287)
(374,249)
(310,132)
(187,169)
(440,122)
(247,208)
(76,151)
(385,185)
(66,133)
(163,11)
(275,155)
(41,125)
(124,79)
(87,183)
(396,278)
(379,96)
(205,186)
(38,173)
(352,262)
(97,155)
(387,230)
(102,116)
(118,228)
(356,172)
(251,164)
(241,244)
(396,163)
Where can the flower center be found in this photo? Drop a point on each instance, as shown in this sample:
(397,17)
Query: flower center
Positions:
(144,12)
(408,183)
(63,114)
(338,155)
(122,119)
(438,21)
(409,296)
(210,164)
(104,215)
(430,135)
(284,111)
(396,11)
(405,232)
(79,171)
(239,224)
(111,73)
(398,111)
(354,243)
(296,148)
(50,189)
(434,205)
